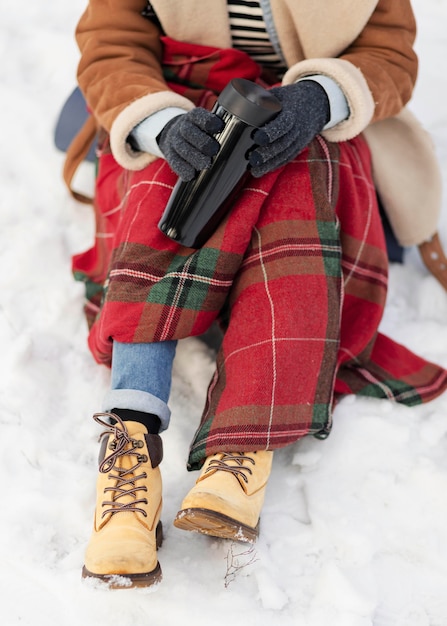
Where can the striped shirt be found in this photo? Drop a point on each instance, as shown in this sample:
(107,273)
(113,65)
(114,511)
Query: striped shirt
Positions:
(249,34)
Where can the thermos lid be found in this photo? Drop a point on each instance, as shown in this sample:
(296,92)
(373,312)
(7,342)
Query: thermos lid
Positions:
(250,102)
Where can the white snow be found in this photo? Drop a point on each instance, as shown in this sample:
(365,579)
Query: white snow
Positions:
(354,529)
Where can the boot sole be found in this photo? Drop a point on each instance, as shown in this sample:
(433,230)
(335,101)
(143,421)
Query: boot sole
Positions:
(129,581)
(215,524)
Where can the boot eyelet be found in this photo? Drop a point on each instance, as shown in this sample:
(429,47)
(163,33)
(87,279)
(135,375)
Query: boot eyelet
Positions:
(142,458)
(137,443)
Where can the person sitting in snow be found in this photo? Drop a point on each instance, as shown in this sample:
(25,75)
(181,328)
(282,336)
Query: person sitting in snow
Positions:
(295,274)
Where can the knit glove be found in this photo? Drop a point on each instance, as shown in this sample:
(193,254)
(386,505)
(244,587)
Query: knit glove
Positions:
(305,112)
(187,141)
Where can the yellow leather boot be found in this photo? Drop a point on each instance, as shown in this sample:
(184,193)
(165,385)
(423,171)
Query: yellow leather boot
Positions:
(227,498)
(127,530)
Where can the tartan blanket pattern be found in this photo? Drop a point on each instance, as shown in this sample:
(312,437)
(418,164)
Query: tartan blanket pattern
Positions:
(319,340)
(297,276)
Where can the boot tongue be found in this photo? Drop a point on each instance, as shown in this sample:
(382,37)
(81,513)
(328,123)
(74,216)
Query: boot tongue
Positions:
(125,462)
(136,429)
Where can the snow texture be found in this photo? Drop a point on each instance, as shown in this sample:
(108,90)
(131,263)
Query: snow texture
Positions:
(354,528)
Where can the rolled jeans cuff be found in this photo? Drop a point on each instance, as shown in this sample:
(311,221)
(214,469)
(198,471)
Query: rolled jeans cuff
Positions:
(137,401)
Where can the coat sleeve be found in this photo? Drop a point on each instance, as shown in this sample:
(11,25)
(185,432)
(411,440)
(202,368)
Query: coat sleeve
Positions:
(385,55)
(120,72)
(376,73)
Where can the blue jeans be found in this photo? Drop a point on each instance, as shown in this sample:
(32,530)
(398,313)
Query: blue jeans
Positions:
(141,378)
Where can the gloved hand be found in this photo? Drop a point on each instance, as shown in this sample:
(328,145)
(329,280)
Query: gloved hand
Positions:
(305,112)
(187,141)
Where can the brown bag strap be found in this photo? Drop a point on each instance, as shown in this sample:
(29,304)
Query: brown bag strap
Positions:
(76,153)
(435,259)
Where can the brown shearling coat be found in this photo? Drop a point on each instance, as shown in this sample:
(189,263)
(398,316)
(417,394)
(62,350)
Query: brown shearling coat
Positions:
(366,47)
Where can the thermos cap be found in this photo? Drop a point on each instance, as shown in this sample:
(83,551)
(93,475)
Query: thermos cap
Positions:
(250,102)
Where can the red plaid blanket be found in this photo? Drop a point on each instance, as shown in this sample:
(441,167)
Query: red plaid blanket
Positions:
(297,275)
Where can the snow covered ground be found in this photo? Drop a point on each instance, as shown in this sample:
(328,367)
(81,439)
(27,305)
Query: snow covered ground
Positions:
(354,529)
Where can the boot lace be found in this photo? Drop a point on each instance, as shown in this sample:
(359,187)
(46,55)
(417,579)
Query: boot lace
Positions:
(121,445)
(237,468)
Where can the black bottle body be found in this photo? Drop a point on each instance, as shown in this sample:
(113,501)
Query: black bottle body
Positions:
(196,207)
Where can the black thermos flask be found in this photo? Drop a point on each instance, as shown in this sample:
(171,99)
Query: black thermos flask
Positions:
(196,207)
